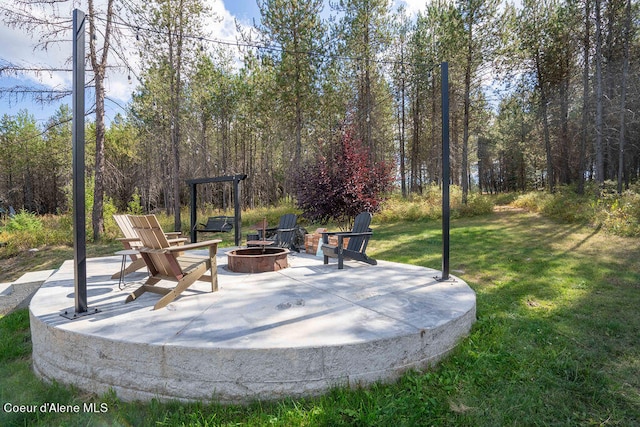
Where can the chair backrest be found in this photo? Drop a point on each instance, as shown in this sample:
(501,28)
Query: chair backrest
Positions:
(285,238)
(149,231)
(288,221)
(124,223)
(152,236)
(360,225)
(125,226)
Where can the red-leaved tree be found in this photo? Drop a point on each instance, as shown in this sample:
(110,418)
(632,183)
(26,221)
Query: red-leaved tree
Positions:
(343,181)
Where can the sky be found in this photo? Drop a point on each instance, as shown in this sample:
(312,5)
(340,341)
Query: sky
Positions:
(17,47)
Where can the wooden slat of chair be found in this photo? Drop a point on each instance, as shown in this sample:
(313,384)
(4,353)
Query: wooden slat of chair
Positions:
(125,226)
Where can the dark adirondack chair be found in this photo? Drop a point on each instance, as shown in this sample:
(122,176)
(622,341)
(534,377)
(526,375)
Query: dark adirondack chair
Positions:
(358,241)
(284,234)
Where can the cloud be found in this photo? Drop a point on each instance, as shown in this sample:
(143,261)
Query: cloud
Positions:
(17,47)
(413,6)
(221,25)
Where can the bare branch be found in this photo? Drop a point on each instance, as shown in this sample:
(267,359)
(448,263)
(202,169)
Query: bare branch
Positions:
(39,95)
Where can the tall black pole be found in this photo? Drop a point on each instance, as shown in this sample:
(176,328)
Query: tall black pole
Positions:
(445,171)
(193,219)
(236,207)
(79,217)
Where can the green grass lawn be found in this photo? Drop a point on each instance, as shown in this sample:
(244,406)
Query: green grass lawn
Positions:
(557,341)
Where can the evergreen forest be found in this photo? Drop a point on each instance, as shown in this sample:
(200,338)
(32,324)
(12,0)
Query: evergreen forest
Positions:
(543,95)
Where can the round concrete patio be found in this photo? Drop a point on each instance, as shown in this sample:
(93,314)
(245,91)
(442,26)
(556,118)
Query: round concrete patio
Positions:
(295,332)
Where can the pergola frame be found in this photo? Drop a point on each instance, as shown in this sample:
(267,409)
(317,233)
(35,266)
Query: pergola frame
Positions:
(193,183)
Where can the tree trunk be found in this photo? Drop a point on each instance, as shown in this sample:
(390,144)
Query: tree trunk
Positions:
(599,119)
(415,146)
(565,170)
(585,97)
(97,217)
(545,122)
(403,173)
(623,96)
(464,167)
(99,69)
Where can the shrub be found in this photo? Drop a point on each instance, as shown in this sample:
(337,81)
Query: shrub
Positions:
(533,201)
(619,214)
(616,214)
(134,207)
(564,205)
(344,182)
(477,204)
(413,208)
(428,206)
(23,221)
(23,231)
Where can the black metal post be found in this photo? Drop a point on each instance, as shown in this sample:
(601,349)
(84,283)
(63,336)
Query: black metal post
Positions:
(78,167)
(194,199)
(446,212)
(79,219)
(236,207)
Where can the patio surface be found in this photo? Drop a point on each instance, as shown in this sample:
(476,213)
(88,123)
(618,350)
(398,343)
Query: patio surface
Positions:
(296,332)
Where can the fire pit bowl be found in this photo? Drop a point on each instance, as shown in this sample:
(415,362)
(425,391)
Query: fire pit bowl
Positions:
(257,260)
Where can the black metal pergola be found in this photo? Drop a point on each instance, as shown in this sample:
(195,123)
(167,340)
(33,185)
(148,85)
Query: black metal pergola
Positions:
(193,183)
(79,221)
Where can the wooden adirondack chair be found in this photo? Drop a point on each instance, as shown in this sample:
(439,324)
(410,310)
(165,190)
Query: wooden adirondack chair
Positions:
(358,241)
(166,262)
(132,241)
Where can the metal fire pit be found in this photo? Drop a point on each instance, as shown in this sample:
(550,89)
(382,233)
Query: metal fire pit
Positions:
(257,260)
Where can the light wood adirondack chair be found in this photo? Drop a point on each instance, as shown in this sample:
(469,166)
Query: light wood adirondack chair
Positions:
(132,241)
(358,241)
(166,262)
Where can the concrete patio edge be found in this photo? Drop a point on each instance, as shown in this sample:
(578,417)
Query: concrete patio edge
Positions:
(293,333)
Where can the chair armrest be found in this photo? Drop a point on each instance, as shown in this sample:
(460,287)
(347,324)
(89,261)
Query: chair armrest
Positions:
(326,234)
(173,233)
(179,240)
(128,239)
(197,245)
(284,229)
(351,234)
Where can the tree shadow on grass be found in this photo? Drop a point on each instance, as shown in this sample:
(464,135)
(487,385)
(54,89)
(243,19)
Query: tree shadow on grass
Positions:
(556,336)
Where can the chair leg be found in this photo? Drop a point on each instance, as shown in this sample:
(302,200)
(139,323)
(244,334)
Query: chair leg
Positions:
(142,289)
(183,284)
(214,267)
(134,266)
